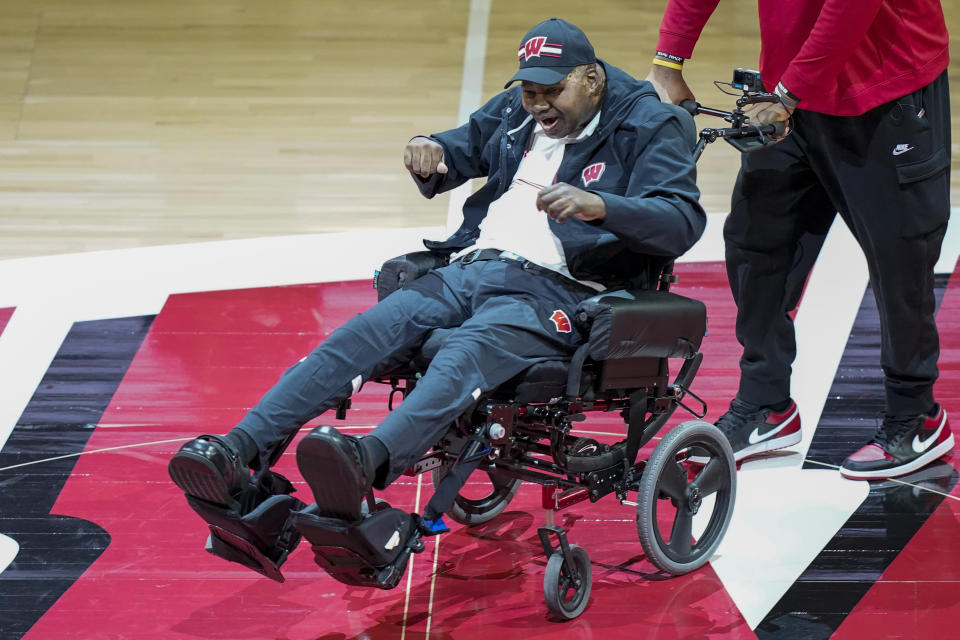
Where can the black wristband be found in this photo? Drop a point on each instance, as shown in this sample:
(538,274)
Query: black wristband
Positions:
(670,57)
(788,99)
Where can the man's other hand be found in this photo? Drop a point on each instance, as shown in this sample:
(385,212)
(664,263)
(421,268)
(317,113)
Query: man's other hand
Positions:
(561,201)
(768,113)
(424,157)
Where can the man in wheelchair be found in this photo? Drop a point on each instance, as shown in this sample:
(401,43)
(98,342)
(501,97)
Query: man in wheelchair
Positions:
(588,176)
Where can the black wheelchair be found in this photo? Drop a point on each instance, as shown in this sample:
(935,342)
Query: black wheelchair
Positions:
(525,431)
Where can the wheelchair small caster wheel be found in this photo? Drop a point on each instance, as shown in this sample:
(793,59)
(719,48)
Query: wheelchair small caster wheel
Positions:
(567,582)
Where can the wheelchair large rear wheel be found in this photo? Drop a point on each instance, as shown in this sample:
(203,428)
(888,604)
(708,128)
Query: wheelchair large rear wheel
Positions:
(484,497)
(567,588)
(683,507)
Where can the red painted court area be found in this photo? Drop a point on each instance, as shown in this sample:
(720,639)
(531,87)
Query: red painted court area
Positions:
(5,317)
(209,356)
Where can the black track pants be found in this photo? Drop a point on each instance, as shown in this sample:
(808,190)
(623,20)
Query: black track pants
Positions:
(887,173)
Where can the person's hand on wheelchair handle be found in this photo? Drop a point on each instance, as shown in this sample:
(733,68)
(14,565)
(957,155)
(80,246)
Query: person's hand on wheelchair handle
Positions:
(424,157)
(768,113)
(562,201)
(672,88)
(670,85)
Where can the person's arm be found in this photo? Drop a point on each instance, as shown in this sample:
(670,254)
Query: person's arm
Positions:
(446,160)
(839,29)
(683,21)
(660,212)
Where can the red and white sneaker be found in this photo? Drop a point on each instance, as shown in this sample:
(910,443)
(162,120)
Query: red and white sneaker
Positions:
(902,445)
(752,430)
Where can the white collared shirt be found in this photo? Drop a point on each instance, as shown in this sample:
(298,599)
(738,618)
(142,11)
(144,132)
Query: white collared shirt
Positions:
(513,222)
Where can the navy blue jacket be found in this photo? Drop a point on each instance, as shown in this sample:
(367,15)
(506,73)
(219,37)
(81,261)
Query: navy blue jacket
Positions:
(648,181)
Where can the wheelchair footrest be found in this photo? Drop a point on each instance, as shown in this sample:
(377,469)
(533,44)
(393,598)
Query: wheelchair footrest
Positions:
(370,552)
(228,546)
(260,540)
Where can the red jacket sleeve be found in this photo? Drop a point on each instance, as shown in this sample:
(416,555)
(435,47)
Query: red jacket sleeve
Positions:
(839,29)
(682,23)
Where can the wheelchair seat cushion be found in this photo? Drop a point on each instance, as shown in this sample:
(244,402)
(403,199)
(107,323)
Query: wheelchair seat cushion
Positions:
(648,323)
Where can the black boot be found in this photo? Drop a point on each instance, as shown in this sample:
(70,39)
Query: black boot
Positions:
(249,516)
(334,467)
(209,468)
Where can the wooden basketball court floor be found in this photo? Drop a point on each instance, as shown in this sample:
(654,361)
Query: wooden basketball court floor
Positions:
(192,195)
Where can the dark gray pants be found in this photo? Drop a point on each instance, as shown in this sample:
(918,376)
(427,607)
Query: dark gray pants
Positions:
(502,319)
(887,173)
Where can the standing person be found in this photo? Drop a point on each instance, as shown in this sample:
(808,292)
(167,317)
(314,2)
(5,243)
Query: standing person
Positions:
(588,173)
(863,86)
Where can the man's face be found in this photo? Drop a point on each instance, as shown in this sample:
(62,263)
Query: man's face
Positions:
(561,108)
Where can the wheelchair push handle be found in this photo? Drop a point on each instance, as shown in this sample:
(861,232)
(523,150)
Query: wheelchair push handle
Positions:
(691,107)
(742,135)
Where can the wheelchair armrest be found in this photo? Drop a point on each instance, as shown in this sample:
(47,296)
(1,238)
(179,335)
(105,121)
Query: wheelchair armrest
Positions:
(642,323)
(399,271)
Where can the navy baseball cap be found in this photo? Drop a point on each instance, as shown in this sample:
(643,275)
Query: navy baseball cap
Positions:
(550,51)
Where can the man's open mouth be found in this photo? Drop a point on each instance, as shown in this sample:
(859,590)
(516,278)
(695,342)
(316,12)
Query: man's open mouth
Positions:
(549,123)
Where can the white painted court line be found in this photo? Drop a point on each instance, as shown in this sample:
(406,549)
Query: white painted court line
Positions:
(915,485)
(84,453)
(784,514)
(433,582)
(9,548)
(471,93)
(406,597)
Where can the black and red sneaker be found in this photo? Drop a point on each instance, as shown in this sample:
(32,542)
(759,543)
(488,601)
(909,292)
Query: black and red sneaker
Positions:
(751,429)
(902,445)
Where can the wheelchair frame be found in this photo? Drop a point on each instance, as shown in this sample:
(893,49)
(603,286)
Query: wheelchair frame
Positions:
(515,441)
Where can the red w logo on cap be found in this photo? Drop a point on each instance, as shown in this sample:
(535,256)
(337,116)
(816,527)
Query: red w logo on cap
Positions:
(538,47)
(593,173)
(531,48)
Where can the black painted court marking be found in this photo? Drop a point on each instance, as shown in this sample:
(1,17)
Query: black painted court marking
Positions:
(893,512)
(58,421)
